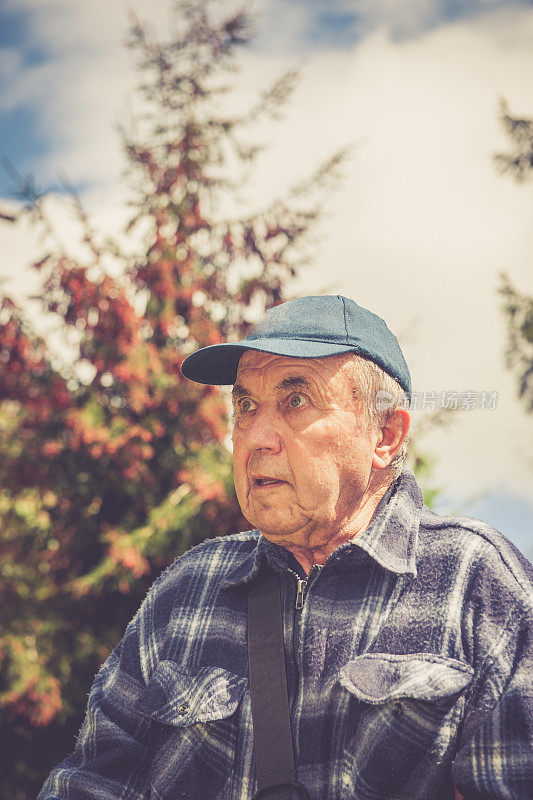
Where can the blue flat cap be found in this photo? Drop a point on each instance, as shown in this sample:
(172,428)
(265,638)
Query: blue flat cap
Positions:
(307,327)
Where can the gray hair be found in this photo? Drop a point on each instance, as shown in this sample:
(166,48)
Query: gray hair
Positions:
(381,395)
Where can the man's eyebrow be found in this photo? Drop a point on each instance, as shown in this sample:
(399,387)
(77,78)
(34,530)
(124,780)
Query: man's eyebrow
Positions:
(293,382)
(239,391)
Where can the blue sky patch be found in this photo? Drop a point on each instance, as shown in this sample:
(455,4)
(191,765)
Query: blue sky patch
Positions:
(332,28)
(511,514)
(341,24)
(22,143)
(21,140)
(15,32)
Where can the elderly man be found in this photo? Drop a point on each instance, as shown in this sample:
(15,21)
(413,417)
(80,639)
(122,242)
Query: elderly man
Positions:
(406,637)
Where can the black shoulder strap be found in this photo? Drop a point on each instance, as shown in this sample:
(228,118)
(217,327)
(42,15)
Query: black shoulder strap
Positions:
(268,689)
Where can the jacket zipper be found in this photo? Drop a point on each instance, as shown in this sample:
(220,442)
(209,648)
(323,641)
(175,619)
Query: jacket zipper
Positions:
(300,594)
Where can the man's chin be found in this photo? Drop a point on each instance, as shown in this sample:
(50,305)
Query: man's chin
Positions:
(277,536)
(273,526)
(285,534)
(281,524)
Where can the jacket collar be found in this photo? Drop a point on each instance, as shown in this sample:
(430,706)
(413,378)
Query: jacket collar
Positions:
(392,535)
(390,538)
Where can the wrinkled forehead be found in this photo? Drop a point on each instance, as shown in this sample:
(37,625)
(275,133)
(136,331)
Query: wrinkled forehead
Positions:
(263,368)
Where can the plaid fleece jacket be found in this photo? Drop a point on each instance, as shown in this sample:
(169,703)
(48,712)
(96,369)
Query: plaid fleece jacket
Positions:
(409,660)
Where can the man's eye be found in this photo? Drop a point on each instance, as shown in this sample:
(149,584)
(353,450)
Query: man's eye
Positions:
(246,405)
(297,400)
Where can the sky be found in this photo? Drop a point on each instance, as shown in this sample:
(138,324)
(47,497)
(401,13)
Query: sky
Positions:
(420,226)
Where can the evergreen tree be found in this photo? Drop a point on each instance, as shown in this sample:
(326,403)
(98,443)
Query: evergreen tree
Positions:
(517,306)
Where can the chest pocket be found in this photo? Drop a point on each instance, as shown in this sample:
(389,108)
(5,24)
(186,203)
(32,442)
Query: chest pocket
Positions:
(193,733)
(402,726)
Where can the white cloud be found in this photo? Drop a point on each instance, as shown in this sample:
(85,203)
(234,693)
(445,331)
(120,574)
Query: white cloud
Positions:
(422,224)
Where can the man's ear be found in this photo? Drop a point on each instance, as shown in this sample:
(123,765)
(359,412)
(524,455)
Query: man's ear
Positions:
(392,436)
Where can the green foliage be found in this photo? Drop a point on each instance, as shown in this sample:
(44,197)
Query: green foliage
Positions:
(106,480)
(421,461)
(519,161)
(423,466)
(517,306)
(518,310)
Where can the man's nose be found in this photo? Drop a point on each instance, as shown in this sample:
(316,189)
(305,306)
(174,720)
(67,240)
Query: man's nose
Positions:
(263,432)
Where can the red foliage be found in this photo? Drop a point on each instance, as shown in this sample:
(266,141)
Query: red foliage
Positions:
(112,465)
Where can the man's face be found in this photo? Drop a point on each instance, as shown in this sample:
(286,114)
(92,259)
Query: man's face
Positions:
(302,446)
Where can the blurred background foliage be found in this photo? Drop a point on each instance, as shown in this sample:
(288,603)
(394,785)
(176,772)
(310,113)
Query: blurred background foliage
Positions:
(112,464)
(517,163)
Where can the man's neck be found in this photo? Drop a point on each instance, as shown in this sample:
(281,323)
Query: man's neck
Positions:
(307,557)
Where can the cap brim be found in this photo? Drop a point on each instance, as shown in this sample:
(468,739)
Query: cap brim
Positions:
(218,363)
